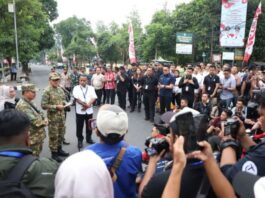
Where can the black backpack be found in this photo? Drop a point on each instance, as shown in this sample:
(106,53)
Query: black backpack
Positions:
(12,185)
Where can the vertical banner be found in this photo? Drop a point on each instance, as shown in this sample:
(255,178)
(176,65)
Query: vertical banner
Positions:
(252,35)
(132,55)
(233,23)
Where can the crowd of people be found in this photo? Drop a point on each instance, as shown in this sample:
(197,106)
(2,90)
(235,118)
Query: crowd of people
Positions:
(203,117)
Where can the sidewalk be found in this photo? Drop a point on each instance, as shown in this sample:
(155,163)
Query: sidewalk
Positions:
(7,81)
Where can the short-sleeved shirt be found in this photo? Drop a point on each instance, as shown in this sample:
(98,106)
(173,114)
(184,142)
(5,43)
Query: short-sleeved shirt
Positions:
(210,83)
(227,83)
(166,80)
(130,166)
(253,163)
(85,94)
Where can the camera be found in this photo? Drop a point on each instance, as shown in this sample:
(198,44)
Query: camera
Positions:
(231,127)
(156,145)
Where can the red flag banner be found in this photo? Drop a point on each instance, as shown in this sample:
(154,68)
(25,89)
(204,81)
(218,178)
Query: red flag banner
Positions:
(252,35)
(132,55)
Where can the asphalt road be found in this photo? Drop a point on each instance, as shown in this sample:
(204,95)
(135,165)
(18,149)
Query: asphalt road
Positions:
(139,129)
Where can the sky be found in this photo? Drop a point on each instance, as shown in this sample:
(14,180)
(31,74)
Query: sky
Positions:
(112,10)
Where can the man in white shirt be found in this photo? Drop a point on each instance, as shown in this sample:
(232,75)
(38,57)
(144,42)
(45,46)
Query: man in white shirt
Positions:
(97,82)
(85,96)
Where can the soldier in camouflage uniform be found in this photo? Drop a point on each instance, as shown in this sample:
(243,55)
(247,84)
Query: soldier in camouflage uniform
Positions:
(37,120)
(53,100)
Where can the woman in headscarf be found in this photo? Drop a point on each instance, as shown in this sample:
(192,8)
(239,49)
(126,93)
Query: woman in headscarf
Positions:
(8,98)
(83,175)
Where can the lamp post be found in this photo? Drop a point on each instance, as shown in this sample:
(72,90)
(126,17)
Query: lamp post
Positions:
(12,9)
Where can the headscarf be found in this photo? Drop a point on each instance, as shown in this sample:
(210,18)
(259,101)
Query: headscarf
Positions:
(83,175)
(5,97)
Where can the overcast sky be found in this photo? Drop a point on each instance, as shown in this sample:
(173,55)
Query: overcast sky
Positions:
(112,10)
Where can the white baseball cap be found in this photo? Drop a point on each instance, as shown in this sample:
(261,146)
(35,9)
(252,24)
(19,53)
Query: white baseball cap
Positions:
(111,119)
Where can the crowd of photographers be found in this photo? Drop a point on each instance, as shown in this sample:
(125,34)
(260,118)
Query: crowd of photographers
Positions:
(206,142)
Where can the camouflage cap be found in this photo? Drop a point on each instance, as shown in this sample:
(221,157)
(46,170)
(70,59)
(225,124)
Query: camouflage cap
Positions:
(29,87)
(54,76)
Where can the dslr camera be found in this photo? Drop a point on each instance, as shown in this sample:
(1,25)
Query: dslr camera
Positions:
(231,127)
(156,145)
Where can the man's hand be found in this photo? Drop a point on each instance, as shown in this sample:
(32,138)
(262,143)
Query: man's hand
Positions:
(179,154)
(60,107)
(205,154)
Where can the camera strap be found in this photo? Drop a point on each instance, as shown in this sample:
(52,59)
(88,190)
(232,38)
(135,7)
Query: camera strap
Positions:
(116,164)
(204,188)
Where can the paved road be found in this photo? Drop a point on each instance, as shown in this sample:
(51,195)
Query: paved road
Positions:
(139,129)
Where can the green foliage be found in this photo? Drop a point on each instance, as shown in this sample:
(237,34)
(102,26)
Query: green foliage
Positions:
(33,30)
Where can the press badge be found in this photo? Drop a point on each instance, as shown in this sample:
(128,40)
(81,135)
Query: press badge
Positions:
(187,88)
(146,87)
(209,88)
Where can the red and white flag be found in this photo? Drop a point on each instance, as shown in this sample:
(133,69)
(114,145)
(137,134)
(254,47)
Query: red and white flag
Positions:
(132,55)
(252,35)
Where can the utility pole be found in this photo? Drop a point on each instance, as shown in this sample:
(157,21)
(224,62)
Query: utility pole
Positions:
(16,39)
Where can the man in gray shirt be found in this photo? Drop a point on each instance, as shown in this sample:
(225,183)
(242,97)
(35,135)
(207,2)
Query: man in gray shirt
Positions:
(228,86)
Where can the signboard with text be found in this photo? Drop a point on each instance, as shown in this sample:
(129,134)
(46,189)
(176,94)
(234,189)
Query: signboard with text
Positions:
(182,48)
(184,42)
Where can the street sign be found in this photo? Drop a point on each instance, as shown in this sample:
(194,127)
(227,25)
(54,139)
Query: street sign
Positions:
(11,7)
(239,54)
(228,56)
(184,37)
(217,58)
(182,48)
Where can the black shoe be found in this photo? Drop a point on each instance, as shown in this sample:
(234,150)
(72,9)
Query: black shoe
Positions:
(66,143)
(132,110)
(56,157)
(139,110)
(80,144)
(62,153)
(152,120)
(90,141)
(146,118)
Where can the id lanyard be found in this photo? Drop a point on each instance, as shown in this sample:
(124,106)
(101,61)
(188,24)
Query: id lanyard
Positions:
(11,154)
(84,93)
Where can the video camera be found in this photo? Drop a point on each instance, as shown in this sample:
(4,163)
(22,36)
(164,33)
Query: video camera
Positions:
(156,145)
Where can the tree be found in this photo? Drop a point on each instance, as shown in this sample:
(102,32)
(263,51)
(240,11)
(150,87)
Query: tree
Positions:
(75,36)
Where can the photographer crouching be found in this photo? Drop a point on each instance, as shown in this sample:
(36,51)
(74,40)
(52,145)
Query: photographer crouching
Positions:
(200,165)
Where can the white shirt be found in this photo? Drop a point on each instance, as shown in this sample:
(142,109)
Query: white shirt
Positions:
(200,79)
(97,81)
(85,94)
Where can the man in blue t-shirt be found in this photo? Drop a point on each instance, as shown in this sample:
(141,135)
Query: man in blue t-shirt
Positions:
(112,125)
(165,85)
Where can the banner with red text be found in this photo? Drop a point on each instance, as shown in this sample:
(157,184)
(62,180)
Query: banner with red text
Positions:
(252,35)
(132,55)
(233,23)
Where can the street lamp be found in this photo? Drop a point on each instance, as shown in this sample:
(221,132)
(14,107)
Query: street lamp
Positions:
(12,9)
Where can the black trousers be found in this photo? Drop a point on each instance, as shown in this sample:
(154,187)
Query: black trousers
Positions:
(165,102)
(130,95)
(110,96)
(149,100)
(80,120)
(122,99)
(176,99)
(137,100)
(190,99)
(13,76)
(99,95)
(104,95)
